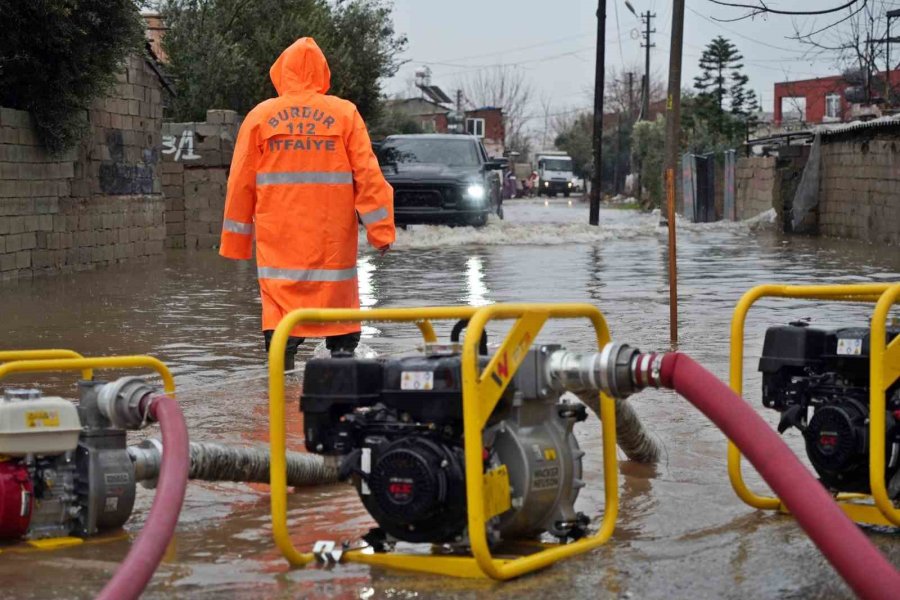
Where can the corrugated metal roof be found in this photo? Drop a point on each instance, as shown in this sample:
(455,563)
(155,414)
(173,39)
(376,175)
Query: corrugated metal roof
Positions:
(881,122)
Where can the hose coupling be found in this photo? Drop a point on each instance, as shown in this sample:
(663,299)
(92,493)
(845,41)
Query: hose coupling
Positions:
(609,371)
(147,460)
(122,402)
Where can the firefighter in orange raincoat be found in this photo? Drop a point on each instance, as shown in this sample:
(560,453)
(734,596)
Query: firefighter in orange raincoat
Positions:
(303,176)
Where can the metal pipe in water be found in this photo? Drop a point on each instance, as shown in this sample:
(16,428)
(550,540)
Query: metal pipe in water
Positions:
(212,461)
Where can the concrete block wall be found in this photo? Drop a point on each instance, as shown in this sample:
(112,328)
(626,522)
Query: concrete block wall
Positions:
(756,186)
(859,199)
(99,203)
(196,158)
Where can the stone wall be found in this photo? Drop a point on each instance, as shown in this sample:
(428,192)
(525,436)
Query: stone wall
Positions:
(756,186)
(196,158)
(859,188)
(764,182)
(100,202)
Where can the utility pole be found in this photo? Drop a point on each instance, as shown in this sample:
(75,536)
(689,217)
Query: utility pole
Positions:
(645,107)
(891,14)
(630,95)
(673,131)
(594,217)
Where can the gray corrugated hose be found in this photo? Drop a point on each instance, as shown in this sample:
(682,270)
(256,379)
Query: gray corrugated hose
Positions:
(212,461)
(634,440)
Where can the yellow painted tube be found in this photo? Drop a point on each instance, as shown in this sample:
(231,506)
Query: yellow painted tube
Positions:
(472,424)
(99,362)
(11,355)
(277,429)
(878,385)
(473,413)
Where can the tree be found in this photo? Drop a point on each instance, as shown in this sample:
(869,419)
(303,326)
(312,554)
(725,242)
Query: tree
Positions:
(856,42)
(391,120)
(505,87)
(57,56)
(575,138)
(220,51)
(648,143)
(723,100)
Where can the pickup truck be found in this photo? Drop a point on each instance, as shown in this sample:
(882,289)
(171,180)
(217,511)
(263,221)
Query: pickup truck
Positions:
(441,179)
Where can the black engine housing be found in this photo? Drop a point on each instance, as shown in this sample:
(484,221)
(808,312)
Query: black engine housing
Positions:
(826,372)
(398,425)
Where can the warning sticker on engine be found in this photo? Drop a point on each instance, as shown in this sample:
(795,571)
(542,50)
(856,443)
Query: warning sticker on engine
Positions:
(849,346)
(42,418)
(417,380)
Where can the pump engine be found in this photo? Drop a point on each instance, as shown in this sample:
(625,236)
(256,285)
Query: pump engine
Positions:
(397,425)
(64,469)
(818,379)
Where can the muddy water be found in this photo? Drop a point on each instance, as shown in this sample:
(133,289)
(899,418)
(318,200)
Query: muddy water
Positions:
(682,533)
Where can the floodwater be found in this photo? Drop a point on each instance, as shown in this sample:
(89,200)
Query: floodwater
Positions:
(681,532)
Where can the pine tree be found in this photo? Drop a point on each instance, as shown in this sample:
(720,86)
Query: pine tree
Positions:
(723,99)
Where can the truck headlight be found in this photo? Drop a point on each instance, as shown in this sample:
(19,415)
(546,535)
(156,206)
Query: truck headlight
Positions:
(546,184)
(475,191)
(570,184)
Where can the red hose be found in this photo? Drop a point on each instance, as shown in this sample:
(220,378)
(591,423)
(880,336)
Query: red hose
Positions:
(136,570)
(848,550)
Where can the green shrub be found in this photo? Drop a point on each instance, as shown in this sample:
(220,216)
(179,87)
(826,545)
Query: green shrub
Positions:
(57,56)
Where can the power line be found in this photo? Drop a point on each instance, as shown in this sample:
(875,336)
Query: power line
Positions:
(746,37)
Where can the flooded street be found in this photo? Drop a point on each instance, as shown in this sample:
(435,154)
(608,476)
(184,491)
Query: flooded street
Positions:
(681,533)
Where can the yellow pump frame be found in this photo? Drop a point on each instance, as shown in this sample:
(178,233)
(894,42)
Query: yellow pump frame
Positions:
(480,394)
(46,360)
(874,509)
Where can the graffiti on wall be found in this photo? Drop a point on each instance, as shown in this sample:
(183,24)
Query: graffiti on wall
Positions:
(181,146)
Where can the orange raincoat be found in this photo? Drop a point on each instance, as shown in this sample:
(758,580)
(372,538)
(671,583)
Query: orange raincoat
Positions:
(303,169)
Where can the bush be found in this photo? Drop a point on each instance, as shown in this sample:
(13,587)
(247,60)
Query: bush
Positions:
(57,56)
(648,142)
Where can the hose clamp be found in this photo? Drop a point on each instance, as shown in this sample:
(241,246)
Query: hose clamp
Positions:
(655,369)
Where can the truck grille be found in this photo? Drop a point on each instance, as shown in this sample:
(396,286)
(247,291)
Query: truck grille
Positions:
(432,197)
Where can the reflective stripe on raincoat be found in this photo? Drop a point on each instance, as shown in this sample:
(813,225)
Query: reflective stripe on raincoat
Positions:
(302,177)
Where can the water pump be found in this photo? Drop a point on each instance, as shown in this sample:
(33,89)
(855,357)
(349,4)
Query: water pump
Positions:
(64,469)
(397,425)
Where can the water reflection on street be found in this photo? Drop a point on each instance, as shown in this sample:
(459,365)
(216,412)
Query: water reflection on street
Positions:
(682,533)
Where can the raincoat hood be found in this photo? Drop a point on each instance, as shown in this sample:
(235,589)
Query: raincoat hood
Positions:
(301,67)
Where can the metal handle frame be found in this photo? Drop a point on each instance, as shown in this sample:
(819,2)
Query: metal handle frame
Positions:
(30,361)
(480,394)
(884,370)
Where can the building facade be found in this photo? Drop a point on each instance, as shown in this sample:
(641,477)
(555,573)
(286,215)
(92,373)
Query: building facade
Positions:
(825,99)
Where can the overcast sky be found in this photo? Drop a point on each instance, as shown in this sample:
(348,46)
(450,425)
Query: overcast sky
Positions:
(553,43)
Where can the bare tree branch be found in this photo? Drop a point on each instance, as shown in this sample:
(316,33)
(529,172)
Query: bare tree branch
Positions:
(760,8)
(505,87)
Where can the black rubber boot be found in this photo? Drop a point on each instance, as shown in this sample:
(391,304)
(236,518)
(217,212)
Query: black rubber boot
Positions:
(290,350)
(342,343)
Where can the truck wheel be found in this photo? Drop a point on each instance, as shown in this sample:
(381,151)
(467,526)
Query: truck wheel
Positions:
(566,193)
(478,220)
(500,212)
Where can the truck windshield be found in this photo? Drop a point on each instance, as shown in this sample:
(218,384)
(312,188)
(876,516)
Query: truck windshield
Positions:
(453,153)
(551,164)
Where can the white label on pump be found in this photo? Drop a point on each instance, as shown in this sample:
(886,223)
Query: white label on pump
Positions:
(849,346)
(417,380)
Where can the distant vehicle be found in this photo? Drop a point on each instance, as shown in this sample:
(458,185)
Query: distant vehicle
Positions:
(441,178)
(554,173)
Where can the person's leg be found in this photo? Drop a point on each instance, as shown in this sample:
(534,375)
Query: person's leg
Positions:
(342,343)
(290,350)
